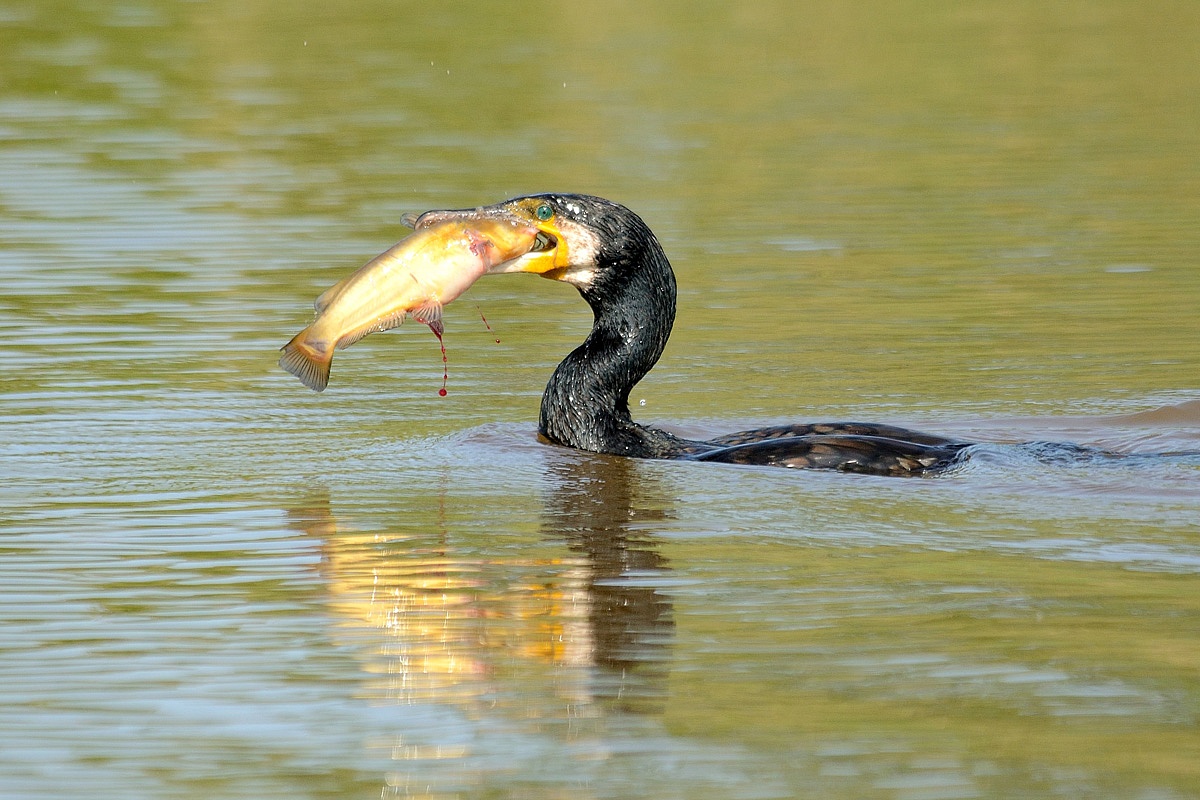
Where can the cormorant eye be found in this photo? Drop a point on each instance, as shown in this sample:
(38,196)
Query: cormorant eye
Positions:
(544,212)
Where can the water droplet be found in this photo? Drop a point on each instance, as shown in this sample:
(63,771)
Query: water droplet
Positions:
(445,361)
(486,325)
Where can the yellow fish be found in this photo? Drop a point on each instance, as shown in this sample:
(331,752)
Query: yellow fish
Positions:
(419,275)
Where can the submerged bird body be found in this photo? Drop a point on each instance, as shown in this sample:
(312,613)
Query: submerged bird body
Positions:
(419,275)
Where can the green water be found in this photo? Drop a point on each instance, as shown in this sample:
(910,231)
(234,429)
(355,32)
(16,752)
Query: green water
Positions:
(978,218)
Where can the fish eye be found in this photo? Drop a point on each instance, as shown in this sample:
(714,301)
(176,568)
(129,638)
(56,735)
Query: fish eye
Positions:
(544,212)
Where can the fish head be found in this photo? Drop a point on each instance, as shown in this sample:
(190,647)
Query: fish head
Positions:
(566,240)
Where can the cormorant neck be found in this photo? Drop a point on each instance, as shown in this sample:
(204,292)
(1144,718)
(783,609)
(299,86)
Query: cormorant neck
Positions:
(586,402)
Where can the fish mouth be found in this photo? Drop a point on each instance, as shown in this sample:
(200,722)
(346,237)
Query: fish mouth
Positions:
(548,252)
(539,259)
(545,255)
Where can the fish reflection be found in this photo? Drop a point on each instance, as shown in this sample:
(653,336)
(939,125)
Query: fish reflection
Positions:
(550,633)
(409,587)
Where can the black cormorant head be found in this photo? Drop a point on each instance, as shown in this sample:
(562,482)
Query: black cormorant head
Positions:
(582,240)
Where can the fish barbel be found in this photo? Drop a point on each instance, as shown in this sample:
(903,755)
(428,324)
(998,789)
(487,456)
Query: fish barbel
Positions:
(419,275)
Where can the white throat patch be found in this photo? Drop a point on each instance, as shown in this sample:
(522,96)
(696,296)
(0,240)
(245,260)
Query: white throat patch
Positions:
(584,246)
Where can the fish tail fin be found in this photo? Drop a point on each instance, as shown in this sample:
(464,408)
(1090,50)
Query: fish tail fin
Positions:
(308,363)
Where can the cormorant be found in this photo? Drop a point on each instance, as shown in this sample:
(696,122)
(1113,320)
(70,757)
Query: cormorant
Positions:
(609,254)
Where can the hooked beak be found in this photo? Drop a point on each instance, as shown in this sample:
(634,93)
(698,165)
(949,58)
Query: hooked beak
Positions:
(548,251)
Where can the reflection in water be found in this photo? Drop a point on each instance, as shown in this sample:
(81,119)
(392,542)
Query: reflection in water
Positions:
(603,507)
(436,623)
(411,587)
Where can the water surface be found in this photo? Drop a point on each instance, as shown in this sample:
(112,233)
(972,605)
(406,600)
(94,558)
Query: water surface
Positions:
(975,219)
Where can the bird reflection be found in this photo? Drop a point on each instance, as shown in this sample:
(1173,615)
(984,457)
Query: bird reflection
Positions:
(606,511)
(560,632)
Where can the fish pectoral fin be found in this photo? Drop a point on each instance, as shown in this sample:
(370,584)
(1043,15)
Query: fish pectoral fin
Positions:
(430,313)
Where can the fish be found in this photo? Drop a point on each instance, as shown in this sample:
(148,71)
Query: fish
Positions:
(418,276)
